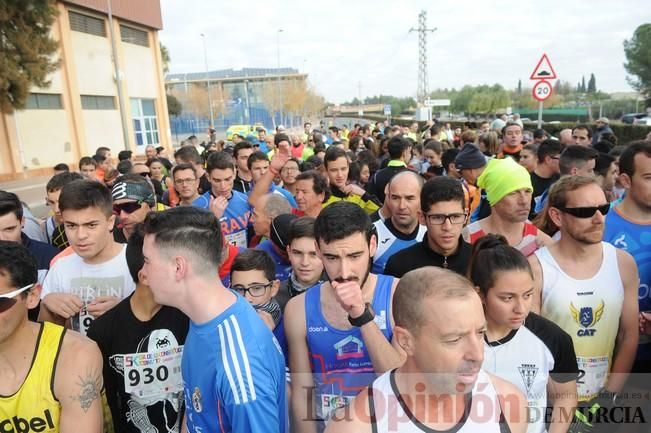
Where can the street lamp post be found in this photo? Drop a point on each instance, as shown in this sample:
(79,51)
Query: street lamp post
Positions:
(280,93)
(205,58)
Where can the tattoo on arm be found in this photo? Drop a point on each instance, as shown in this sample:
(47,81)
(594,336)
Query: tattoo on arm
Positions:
(90,388)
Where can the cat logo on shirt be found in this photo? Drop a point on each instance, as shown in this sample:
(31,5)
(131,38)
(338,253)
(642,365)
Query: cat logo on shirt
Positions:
(587,317)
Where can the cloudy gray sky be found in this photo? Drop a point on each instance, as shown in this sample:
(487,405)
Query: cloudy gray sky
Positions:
(341,43)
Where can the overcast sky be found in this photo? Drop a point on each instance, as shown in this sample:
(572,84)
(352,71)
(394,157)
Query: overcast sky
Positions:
(341,43)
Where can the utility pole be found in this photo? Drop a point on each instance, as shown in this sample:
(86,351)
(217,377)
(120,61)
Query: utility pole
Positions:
(280,93)
(423,90)
(360,112)
(205,59)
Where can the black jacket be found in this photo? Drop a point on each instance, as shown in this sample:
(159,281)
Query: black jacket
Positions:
(420,254)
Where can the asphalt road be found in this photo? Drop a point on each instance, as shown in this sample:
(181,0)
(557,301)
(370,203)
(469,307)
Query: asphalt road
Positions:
(31,191)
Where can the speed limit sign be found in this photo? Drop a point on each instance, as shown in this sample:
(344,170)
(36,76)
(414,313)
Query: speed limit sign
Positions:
(542,90)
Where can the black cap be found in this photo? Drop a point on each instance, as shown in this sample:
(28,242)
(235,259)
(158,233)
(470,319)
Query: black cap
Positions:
(279,230)
(281,137)
(469,157)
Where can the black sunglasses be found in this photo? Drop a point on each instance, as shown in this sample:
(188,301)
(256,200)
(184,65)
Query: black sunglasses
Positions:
(586,212)
(130,207)
(8,300)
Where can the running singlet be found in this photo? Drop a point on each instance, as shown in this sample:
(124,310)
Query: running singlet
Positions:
(589,310)
(388,412)
(527,357)
(236,217)
(389,243)
(341,365)
(527,246)
(34,404)
(234,375)
(635,238)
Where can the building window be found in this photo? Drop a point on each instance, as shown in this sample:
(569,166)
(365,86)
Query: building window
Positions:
(145,125)
(44,101)
(134,36)
(87,24)
(95,102)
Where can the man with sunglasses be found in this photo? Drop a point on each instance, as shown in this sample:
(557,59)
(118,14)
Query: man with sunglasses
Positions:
(93,276)
(50,379)
(442,211)
(508,190)
(588,288)
(133,199)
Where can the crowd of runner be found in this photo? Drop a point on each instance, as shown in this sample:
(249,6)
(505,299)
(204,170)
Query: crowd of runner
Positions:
(373,279)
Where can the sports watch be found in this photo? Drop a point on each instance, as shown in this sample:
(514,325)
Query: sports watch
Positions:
(367,316)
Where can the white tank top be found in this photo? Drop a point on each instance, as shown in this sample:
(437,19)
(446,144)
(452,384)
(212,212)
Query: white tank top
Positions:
(389,413)
(589,310)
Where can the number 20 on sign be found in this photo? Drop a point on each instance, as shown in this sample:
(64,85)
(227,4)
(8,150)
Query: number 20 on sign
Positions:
(542,90)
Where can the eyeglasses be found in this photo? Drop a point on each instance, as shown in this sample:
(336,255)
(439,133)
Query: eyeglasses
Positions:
(256,290)
(130,207)
(8,300)
(439,218)
(586,212)
(182,181)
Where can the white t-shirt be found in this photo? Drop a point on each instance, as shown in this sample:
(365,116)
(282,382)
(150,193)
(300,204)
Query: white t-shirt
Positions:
(71,275)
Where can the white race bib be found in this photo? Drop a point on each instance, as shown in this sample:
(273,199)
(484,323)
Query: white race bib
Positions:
(238,238)
(593,373)
(81,322)
(328,403)
(150,374)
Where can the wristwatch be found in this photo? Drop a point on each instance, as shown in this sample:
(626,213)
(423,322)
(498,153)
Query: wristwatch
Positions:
(367,316)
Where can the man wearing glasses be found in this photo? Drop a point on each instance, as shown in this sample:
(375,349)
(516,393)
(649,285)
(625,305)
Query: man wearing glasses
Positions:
(50,380)
(186,183)
(508,190)
(133,199)
(253,275)
(442,211)
(589,288)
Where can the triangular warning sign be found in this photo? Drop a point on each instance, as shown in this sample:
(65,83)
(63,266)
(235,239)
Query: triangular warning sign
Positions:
(544,70)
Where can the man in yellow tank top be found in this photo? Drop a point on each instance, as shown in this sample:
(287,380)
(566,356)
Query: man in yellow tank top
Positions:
(589,289)
(50,379)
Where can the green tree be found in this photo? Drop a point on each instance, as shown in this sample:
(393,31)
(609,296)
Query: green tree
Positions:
(174,107)
(165,58)
(27,54)
(592,84)
(638,56)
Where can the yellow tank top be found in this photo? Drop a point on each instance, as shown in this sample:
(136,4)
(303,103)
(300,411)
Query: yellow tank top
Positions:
(33,408)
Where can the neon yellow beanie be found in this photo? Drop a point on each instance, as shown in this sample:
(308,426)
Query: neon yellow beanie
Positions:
(501,177)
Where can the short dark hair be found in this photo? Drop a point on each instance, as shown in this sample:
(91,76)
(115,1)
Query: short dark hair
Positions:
(191,230)
(87,160)
(492,254)
(540,133)
(124,155)
(133,254)
(59,180)
(242,145)
(18,264)
(617,151)
(301,228)
(10,203)
(441,188)
(448,157)
(603,163)
(434,146)
(183,166)
(102,150)
(397,146)
(125,166)
(84,194)
(219,161)
(152,160)
(509,124)
(255,157)
(319,183)
(254,260)
(62,166)
(188,154)
(575,156)
(333,153)
(99,158)
(627,158)
(549,147)
(342,219)
(583,126)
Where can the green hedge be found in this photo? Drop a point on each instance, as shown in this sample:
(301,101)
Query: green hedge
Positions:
(625,133)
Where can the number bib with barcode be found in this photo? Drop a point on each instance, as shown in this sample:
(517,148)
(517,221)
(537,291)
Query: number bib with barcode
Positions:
(330,402)
(154,373)
(238,239)
(81,322)
(595,371)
